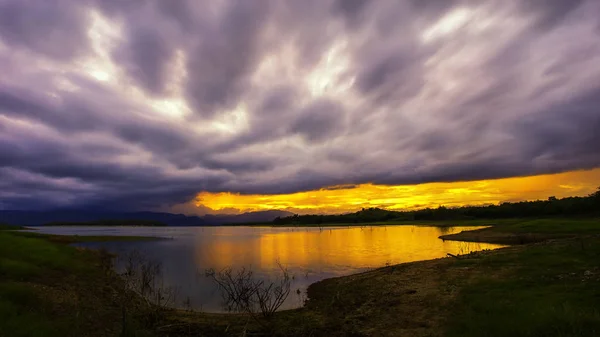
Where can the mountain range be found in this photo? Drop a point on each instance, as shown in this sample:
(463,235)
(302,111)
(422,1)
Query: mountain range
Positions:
(38,218)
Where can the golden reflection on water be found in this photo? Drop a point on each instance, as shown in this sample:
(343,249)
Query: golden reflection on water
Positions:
(310,254)
(336,250)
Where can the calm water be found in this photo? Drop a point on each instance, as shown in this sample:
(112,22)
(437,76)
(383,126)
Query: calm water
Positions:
(310,254)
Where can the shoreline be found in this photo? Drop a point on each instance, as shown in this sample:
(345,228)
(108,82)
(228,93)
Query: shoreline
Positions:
(432,223)
(488,235)
(423,293)
(70,239)
(454,296)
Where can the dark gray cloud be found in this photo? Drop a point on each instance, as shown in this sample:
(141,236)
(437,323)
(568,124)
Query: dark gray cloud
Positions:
(351,10)
(55,28)
(552,140)
(146,57)
(549,13)
(142,104)
(395,76)
(181,12)
(219,65)
(321,120)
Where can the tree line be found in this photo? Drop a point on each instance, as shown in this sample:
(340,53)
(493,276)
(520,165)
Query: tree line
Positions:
(552,207)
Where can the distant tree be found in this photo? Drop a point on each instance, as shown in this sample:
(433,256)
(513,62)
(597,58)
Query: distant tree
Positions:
(551,207)
(596,195)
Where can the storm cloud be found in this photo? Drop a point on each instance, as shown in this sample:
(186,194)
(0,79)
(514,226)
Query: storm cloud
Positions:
(143,104)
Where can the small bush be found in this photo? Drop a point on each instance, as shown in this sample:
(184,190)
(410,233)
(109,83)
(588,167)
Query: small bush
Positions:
(242,292)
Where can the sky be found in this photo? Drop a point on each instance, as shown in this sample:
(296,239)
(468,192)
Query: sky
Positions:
(225,106)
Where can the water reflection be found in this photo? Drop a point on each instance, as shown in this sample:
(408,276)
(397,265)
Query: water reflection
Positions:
(311,254)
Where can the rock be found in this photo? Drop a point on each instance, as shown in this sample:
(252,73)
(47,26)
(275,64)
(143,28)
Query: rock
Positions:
(587,273)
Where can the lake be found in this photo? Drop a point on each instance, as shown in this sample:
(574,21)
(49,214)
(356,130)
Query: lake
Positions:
(310,254)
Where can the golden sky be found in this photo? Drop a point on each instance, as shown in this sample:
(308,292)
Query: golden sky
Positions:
(406,197)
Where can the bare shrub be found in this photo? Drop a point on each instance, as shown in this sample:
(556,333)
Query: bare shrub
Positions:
(106,260)
(243,292)
(143,277)
(187,304)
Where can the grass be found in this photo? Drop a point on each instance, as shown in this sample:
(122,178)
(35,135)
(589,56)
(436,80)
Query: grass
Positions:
(550,226)
(51,289)
(547,289)
(542,289)
(109,223)
(539,290)
(521,231)
(83,238)
(4,226)
(30,270)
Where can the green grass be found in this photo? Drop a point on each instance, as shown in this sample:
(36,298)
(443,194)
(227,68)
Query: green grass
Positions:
(83,238)
(36,251)
(27,252)
(541,290)
(522,231)
(113,222)
(24,312)
(4,226)
(547,289)
(27,267)
(53,289)
(550,226)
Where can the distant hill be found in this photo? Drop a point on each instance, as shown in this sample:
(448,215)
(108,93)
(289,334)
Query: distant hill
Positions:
(73,217)
(112,222)
(250,217)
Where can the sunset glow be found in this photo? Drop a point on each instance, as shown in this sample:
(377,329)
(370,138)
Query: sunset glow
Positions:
(408,197)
